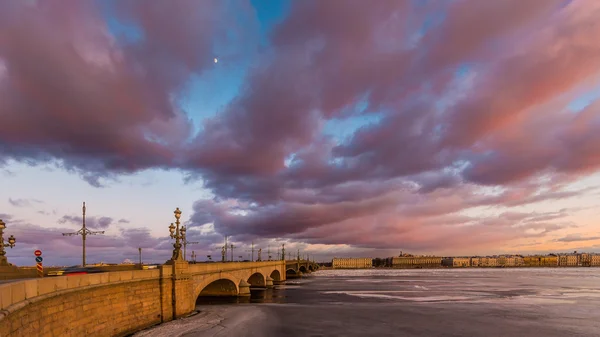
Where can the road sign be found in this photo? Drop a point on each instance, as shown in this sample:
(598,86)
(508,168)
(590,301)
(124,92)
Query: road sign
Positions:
(37,253)
(39,259)
(40,269)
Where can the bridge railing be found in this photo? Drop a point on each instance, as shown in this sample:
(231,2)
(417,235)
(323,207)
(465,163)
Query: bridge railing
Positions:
(229,266)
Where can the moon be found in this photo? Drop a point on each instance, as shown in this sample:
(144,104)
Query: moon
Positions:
(216,60)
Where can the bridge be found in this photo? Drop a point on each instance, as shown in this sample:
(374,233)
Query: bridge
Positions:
(122,302)
(296,268)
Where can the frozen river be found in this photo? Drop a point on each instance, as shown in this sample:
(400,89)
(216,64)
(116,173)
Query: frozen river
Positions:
(443,302)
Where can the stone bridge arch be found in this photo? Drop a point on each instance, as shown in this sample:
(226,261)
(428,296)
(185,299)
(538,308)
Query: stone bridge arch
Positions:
(221,284)
(275,275)
(257,280)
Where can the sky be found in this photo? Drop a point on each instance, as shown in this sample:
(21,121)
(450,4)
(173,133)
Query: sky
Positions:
(361,129)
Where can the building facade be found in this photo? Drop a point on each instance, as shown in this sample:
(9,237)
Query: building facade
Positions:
(576,259)
(456,262)
(487,261)
(510,261)
(416,262)
(461,262)
(585,260)
(540,261)
(568,260)
(573,259)
(352,263)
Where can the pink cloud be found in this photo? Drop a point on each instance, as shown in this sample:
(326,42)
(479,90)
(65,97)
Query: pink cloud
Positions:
(98,104)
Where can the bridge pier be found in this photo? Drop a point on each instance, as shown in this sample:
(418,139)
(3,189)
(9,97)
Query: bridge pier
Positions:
(269,282)
(244,288)
(176,284)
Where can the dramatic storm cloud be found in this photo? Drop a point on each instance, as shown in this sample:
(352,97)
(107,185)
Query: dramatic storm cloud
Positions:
(424,126)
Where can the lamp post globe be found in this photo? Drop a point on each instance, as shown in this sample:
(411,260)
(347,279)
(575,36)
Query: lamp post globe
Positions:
(11,243)
(172,230)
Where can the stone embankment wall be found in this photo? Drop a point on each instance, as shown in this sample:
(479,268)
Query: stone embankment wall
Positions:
(106,304)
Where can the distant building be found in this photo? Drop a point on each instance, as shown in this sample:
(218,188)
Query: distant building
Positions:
(416,262)
(562,260)
(540,261)
(456,262)
(572,260)
(577,260)
(487,261)
(351,263)
(518,261)
(569,260)
(585,260)
(510,261)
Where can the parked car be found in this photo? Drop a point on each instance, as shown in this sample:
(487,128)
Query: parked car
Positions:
(75,270)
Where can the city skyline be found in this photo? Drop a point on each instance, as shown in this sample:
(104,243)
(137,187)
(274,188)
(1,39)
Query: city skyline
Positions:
(444,128)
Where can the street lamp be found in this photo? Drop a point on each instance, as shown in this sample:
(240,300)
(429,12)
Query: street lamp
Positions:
(11,243)
(177,234)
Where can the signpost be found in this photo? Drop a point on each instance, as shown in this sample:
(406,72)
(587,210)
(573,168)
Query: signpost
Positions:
(38,260)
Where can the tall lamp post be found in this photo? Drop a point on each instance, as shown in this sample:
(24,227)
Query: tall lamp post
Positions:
(11,243)
(185,243)
(178,234)
(140,250)
(84,232)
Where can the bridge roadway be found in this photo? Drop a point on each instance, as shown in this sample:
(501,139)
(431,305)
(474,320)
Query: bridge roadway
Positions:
(122,302)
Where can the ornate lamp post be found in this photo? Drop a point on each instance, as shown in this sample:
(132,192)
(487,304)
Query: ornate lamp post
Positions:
(11,243)
(178,234)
